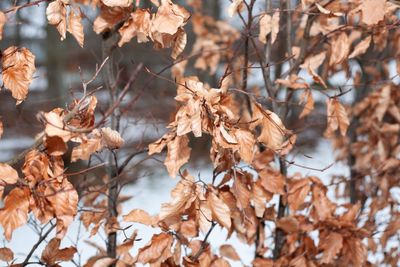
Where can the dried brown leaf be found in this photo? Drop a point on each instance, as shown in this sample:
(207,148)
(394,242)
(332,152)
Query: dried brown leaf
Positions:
(220,211)
(361,47)
(155,250)
(3,20)
(117,3)
(15,211)
(57,15)
(180,41)
(178,154)
(229,252)
(337,118)
(75,26)
(53,254)
(373,11)
(8,175)
(139,216)
(18,67)
(6,254)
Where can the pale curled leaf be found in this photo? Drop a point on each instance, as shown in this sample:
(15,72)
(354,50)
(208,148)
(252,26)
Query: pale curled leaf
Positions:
(3,20)
(100,261)
(340,49)
(307,99)
(269,25)
(138,216)
(325,11)
(183,196)
(234,7)
(289,224)
(373,11)
(75,26)
(159,244)
(337,118)
(138,25)
(111,138)
(6,254)
(331,245)
(229,252)
(272,181)
(52,253)
(117,3)
(180,41)
(15,211)
(220,211)
(18,66)
(56,13)
(272,129)
(8,175)
(178,154)
(361,47)
(246,142)
(55,126)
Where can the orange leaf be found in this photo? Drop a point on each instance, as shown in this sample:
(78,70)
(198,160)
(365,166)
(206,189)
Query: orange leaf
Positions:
(307,98)
(180,41)
(337,118)
(52,253)
(137,25)
(64,200)
(18,67)
(157,249)
(6,254)
(273,182)
(3,20)
(288,224)
(139,216)
(229,252)
(272,129)
(246,142)
(178,154)
(220,211)
(340,48)
(8,175)
(297,192)
(15,211)
(331,244)
(56,13)
(111,138)
(117,3)
(373,11)
(361,47)
(183,195)
(269,25)
(75,26)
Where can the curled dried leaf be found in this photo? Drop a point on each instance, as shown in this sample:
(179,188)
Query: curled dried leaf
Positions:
(220,211)
(117,3)
(178,154)
(139,216)
(75,26)
(15,211)
(18,67)
(111,138)
(53,254)
(57,15)
(8,175)
(337,118)
(3,20)
(6,254)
